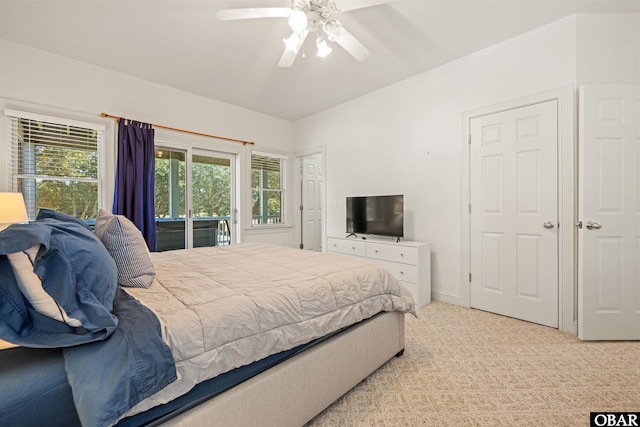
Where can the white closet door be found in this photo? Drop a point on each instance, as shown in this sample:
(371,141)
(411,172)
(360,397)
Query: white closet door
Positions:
(609,212)
(514,213)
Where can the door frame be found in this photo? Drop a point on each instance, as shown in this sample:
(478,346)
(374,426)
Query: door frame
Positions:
(567,199)
(174,140)
(297,194)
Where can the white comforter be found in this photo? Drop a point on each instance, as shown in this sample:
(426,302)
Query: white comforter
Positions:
(227,306)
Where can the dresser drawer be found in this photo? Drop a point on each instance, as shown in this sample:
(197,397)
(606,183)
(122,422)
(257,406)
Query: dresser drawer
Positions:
(348,247)
(413,289)
(408,262)
(394,253)
(403,272)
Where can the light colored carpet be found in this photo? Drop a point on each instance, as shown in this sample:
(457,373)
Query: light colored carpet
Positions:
(465,367)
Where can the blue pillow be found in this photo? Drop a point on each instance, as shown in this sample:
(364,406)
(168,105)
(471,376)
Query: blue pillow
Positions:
(75,269)
(50,213)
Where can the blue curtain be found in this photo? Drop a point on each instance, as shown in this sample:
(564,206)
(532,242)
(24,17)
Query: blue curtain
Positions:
(134,190)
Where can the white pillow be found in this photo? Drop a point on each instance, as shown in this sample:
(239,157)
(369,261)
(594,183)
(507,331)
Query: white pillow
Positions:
(31,286)
(126,245)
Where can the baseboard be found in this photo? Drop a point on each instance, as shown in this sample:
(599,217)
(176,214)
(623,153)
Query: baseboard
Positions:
(448,298)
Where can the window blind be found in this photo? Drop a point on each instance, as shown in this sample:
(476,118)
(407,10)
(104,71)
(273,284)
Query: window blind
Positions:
(55,163)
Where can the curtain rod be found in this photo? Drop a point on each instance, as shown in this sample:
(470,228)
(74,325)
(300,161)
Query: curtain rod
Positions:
(117,119)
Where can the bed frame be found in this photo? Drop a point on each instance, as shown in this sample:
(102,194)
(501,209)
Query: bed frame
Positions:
(295,391)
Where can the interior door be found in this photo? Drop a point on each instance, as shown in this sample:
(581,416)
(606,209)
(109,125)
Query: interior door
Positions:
(312,191)
(514,213)
(609,213)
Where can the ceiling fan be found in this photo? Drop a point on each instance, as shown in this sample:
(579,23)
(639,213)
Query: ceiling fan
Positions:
(310,16)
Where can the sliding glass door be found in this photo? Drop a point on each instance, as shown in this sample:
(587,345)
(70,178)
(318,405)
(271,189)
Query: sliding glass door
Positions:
(211,197)
(170,199)
(194,198)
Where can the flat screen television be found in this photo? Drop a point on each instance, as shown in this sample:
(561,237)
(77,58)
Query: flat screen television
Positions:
(379,215)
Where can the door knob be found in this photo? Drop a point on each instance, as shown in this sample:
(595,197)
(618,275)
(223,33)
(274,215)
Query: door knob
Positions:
(593,226)
(548,225)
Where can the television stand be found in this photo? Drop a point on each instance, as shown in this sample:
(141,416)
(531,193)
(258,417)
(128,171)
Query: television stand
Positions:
(409,262)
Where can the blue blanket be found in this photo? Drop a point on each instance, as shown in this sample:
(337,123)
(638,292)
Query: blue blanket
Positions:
(76,271)
(111,376)
(117,357)
(107,377)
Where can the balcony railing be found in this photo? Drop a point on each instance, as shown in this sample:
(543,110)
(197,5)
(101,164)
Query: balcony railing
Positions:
(266,219)
(207,231)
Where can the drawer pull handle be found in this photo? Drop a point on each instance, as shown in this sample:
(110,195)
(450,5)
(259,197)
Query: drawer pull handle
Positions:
(401,255)
(353,247)
(402,273)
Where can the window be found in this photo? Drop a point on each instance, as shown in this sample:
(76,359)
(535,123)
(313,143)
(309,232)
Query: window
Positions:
(268,187)
(56,163)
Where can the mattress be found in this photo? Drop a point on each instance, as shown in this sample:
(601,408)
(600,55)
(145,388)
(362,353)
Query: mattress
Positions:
(35,388)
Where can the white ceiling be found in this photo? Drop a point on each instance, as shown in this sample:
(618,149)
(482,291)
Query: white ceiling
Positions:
(181,43)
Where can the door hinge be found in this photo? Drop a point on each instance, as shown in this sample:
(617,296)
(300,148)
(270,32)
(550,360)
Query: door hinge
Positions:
(301,207)
(469,139)
(469,207)
(469,277)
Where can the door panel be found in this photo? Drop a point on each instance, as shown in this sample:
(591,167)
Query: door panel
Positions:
(170,199)
(211,198)
(312,192)
(513,213)
(609,210)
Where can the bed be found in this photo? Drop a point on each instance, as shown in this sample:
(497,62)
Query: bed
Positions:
(249,334)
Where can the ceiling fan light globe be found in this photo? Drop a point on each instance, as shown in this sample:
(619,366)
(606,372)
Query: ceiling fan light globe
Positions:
(323,48)
(293,42)
(332,29)
(297,21)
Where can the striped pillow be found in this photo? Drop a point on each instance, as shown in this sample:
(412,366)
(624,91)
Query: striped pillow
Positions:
(126,245)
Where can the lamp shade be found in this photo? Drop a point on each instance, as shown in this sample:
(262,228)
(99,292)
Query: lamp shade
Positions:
(12,209)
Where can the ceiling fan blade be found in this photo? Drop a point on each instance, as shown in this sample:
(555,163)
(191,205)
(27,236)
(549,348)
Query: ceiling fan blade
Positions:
(288,56)
(352,45)
(250,13)
(347,5)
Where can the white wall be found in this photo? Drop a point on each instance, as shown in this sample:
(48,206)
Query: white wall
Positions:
(406,138)
(608,49)
(39,77)
(36,78)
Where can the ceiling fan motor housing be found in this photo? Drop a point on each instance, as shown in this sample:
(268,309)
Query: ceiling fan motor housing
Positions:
(317,12)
